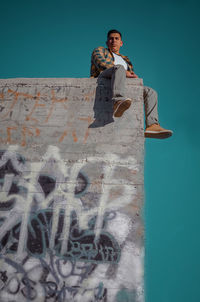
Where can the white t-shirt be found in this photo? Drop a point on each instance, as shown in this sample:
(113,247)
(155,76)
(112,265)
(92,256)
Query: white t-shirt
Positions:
(119,60)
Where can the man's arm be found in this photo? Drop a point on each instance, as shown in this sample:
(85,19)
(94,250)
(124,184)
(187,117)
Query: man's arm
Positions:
(98,58)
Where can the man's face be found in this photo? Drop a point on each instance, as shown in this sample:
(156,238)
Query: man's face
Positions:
(114,42)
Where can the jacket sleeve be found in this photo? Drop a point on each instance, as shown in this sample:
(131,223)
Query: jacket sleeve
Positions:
(99,60)
(130,65)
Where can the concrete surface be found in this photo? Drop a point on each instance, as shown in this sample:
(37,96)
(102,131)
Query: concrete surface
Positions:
(71,180)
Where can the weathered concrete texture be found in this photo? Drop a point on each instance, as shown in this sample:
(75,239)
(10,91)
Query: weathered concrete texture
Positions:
(71,180)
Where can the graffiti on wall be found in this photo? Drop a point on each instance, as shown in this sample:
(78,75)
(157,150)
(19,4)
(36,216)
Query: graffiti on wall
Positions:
(59,239)
(37,113)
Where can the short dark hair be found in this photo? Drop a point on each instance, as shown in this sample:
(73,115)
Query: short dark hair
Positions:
(113,31)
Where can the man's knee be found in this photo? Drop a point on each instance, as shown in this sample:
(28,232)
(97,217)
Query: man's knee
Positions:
(119,67)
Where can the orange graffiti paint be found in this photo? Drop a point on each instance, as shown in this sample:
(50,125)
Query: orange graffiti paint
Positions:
(74,136)
(15,99)
(27,132)
(29,116)
(63,136)
(9,134)
(89,120)
(54,101)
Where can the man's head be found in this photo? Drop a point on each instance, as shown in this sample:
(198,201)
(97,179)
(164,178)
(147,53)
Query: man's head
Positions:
(114,40)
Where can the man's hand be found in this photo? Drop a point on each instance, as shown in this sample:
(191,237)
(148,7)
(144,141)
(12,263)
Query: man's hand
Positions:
(131,74)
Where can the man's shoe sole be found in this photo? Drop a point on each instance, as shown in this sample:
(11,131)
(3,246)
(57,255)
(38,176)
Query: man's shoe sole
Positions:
(158,134)
(120,107)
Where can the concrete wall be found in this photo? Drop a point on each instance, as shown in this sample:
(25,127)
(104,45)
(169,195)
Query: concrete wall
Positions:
(71,192)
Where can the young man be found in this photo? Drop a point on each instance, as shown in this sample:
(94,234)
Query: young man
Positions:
(109,63)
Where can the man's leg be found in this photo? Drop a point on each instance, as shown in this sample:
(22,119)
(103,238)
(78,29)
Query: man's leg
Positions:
(150,106)
(117,74)
(153,129)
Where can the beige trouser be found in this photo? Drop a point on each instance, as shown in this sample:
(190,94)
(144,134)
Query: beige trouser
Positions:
(117,74)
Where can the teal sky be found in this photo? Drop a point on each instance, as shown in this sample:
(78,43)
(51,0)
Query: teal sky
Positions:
(162,38)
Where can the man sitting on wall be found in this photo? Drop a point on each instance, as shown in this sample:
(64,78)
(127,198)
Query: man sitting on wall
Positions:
(109,63)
